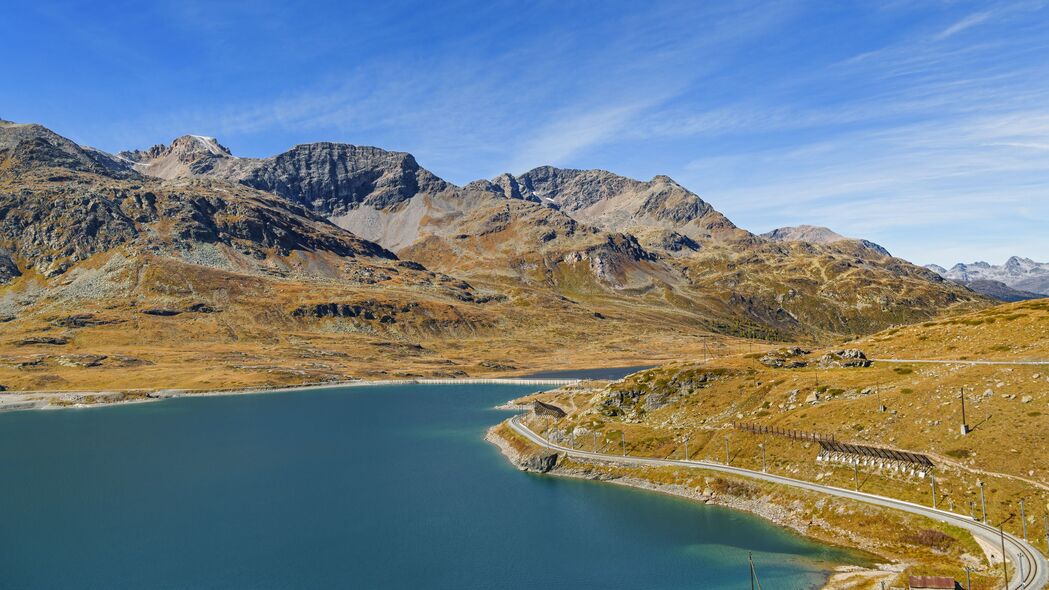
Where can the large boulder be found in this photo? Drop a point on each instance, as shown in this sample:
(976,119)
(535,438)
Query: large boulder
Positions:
(849,357)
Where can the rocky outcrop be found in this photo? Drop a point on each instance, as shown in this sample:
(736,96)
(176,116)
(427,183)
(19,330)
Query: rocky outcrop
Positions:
(787,358)
(535,459)
(8,268)
(539,462)
(847,358)
(48,340)
(365,310)
(80,320)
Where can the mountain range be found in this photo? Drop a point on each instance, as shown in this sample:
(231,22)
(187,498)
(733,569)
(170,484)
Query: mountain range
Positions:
(1017,279)
(338,247)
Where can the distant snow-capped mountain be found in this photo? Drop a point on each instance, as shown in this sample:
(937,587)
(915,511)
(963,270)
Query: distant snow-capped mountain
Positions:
(1022,274)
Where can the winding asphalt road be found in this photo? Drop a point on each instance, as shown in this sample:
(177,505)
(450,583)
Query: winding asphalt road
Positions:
(1034,566)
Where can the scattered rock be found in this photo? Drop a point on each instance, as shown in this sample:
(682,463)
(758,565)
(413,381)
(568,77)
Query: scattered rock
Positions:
(1026,399)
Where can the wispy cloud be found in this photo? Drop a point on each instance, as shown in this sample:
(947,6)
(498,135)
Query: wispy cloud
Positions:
(966,23)
(921,125)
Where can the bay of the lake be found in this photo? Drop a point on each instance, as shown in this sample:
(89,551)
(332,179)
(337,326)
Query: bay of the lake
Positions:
(363,487)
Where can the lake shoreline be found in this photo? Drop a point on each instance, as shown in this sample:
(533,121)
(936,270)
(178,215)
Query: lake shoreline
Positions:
(13,401)
(540,463)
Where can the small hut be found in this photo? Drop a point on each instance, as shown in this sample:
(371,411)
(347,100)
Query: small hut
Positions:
(931,583)
(551,410)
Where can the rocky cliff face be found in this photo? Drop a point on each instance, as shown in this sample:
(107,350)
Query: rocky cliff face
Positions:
(335,178)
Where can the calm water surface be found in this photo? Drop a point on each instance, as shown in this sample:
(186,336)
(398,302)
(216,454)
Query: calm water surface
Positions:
(369,487)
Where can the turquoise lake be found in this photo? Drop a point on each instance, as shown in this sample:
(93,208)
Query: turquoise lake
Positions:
(366,487)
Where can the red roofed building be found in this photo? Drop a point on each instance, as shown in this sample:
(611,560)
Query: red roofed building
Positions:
(931,583)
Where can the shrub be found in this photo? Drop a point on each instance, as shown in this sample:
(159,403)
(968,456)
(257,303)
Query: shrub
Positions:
(930,538)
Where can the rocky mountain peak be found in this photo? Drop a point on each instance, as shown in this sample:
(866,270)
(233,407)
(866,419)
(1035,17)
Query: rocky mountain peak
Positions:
(188,155)
(333,178)
(28,145)
(198,145)
(616,203)
(814,234)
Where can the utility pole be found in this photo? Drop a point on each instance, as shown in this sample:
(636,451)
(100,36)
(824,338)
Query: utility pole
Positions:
(622,441)
(965,424)
(1023,519)
(764,466)
(856,474)
(686,448)
(932,479)
(968,580)
(595,442)
(726,450)
(983,503)
(1001,530)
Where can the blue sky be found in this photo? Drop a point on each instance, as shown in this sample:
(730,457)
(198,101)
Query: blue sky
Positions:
(923,126)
